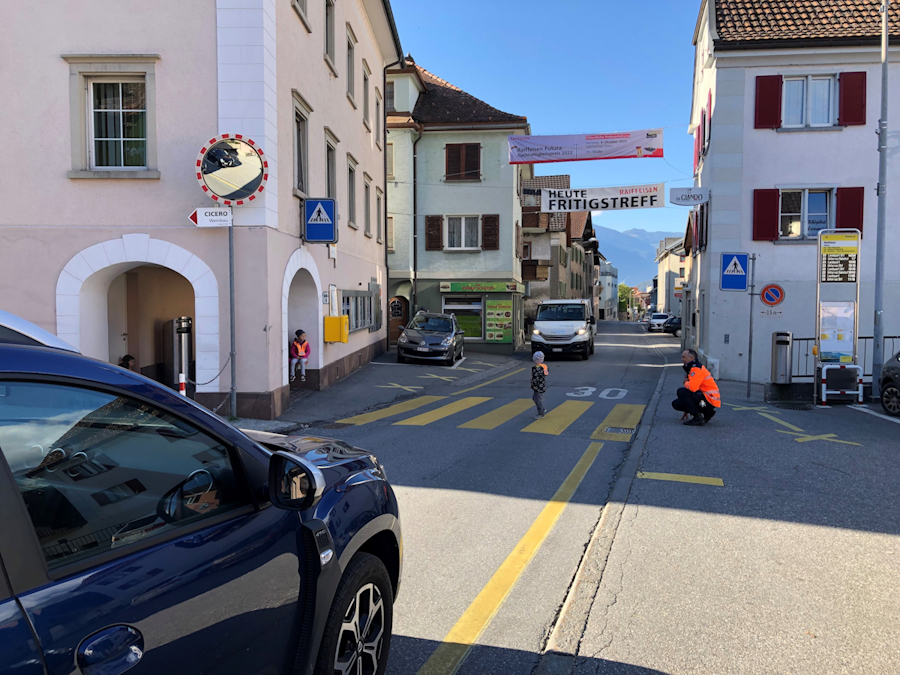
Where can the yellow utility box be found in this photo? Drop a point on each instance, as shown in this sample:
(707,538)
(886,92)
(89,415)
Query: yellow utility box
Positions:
(337,328)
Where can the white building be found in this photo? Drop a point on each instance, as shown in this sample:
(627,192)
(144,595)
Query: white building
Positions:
(785,108)
(448,163)
(100,179)
(673,265)
(608,286)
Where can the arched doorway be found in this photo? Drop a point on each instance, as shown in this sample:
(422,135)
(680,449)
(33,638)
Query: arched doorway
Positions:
(399,316)
(302,308)
(90,300)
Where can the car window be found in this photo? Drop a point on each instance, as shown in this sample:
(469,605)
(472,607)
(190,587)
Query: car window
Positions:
(660,316)
(99,471)
(574,312)
(434,323)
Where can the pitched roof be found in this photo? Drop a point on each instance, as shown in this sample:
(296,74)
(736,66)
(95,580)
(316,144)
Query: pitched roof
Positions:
(755,21)
(579,222)
(561,182)
(444,103)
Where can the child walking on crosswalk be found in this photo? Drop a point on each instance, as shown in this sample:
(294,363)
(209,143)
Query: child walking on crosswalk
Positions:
(539,383)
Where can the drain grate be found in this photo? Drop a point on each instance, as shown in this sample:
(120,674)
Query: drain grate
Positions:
(619,430)
(795,406)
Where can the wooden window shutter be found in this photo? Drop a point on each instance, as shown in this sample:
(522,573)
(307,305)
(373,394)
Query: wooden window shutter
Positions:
(472,161)
(852,104)
(768,102)
(696,149)
(531,219)
(850,208)
(520,242)
(766,208)
(490,233)
(434,233)
(454,162)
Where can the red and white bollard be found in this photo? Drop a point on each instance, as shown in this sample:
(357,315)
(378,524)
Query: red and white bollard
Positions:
(182,386)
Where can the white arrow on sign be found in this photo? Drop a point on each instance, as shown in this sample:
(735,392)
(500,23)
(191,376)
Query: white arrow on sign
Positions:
(214,216)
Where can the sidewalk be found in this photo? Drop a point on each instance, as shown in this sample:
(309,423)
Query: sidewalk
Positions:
(765,542)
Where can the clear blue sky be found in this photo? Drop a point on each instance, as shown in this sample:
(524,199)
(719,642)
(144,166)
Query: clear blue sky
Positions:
(571,67)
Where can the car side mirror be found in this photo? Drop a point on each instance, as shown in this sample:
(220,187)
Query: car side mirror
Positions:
(189,498)
(592,321)
(294,485)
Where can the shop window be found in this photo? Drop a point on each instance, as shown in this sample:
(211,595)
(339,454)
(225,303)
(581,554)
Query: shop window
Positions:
(360,307)
(469,311)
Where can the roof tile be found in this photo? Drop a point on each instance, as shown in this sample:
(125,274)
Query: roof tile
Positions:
(445,103)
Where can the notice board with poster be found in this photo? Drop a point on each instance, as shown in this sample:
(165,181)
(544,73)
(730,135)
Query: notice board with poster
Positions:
(499,320)
(837,332)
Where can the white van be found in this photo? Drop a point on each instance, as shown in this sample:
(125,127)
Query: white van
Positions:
(564,327)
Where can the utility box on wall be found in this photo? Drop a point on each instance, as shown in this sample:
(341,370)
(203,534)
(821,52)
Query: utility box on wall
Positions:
(337,328)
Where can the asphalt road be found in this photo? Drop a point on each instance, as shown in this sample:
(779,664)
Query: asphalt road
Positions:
(489,552)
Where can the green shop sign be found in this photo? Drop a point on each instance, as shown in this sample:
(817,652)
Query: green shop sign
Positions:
(481,287)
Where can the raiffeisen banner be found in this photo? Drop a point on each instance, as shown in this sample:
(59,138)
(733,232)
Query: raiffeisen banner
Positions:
(604,199)
(621,145)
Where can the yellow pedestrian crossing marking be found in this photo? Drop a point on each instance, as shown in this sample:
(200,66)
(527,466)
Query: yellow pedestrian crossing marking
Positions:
(623,416)
(680,478)
(558,419)
(444,411)
(501,415)
(397,409)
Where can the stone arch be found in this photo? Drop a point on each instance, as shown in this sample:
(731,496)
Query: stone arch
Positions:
(115,255)
(301,259)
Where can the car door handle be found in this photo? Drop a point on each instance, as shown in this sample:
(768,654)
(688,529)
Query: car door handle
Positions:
(110,651)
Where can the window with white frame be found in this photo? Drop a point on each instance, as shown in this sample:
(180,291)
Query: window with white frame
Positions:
(389,234)
(118,125)
(330,171)
(379,196)
(301,146)
(365,70)
(329,31)
(351,191)
(389,156)
(300,7)
(810,101)
(804,213)
(389,96)
(351,67)
(377,118)
(463,233)
(367,206)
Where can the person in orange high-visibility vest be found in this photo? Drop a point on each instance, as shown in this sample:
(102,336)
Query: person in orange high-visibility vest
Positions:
(699,396)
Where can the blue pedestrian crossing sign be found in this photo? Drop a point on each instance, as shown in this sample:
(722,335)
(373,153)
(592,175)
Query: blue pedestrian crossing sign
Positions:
(734,271)
(320,221)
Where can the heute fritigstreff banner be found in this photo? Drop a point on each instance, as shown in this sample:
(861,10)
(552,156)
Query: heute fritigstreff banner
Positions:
(621,145)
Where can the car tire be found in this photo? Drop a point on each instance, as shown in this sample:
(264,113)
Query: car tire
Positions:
(677,332)
(586,354)
(592,347)
(462,352)
(890,399)
(364,586)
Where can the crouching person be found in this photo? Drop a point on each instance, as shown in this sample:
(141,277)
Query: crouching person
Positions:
(699,397)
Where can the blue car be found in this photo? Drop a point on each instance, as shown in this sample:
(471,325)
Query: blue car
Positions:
(141,533)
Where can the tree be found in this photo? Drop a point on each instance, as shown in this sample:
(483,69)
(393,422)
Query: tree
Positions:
(624,297)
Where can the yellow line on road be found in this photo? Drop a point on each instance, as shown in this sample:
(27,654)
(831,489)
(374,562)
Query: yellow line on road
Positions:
(680,478)
(484,384)
(501,415)
(456,645)
(442,412)
(622,416)
(781,422)
(558,419)
(406,406)
(803,437)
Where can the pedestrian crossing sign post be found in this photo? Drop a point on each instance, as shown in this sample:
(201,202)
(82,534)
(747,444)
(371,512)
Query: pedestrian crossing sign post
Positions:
(320,221)
(735,268)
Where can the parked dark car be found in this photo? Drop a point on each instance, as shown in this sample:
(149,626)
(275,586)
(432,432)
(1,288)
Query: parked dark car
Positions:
(143,533)
(890,386)
(431,337)
(673,326)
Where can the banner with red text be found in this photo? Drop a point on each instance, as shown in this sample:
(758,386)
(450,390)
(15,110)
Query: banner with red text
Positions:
(621,145)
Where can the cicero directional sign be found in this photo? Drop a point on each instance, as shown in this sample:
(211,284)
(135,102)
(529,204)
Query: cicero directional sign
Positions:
(603,199)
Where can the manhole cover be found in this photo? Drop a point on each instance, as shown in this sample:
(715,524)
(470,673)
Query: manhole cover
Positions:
(619,430)
(795,406)
(336,425)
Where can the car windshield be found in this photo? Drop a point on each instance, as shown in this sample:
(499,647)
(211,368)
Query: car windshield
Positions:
(660,316)
(431,323)
(573,312)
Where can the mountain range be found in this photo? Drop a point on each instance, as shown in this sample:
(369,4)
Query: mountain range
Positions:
(632,252)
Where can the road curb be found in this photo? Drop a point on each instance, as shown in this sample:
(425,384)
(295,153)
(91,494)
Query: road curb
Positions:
(561,648)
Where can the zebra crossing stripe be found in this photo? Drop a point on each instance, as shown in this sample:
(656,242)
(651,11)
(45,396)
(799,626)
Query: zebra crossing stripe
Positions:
(397,409)
(444,411)
(501,415)
(559,419)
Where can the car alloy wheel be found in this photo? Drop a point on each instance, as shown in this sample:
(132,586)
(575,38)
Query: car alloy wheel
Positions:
(359,643)
(890,400)
(677,332)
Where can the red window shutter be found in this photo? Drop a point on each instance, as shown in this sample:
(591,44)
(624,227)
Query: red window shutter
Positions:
(454,162)
(434,233)
(766,208)
(850,208)
(768,101)
(472,161)
(708,117)
(852,104)
(696,149)
(490,233)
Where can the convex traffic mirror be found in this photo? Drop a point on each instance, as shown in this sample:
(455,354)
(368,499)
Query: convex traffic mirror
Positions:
(232,170)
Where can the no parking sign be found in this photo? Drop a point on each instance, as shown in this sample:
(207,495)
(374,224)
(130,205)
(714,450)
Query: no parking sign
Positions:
(772,295)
